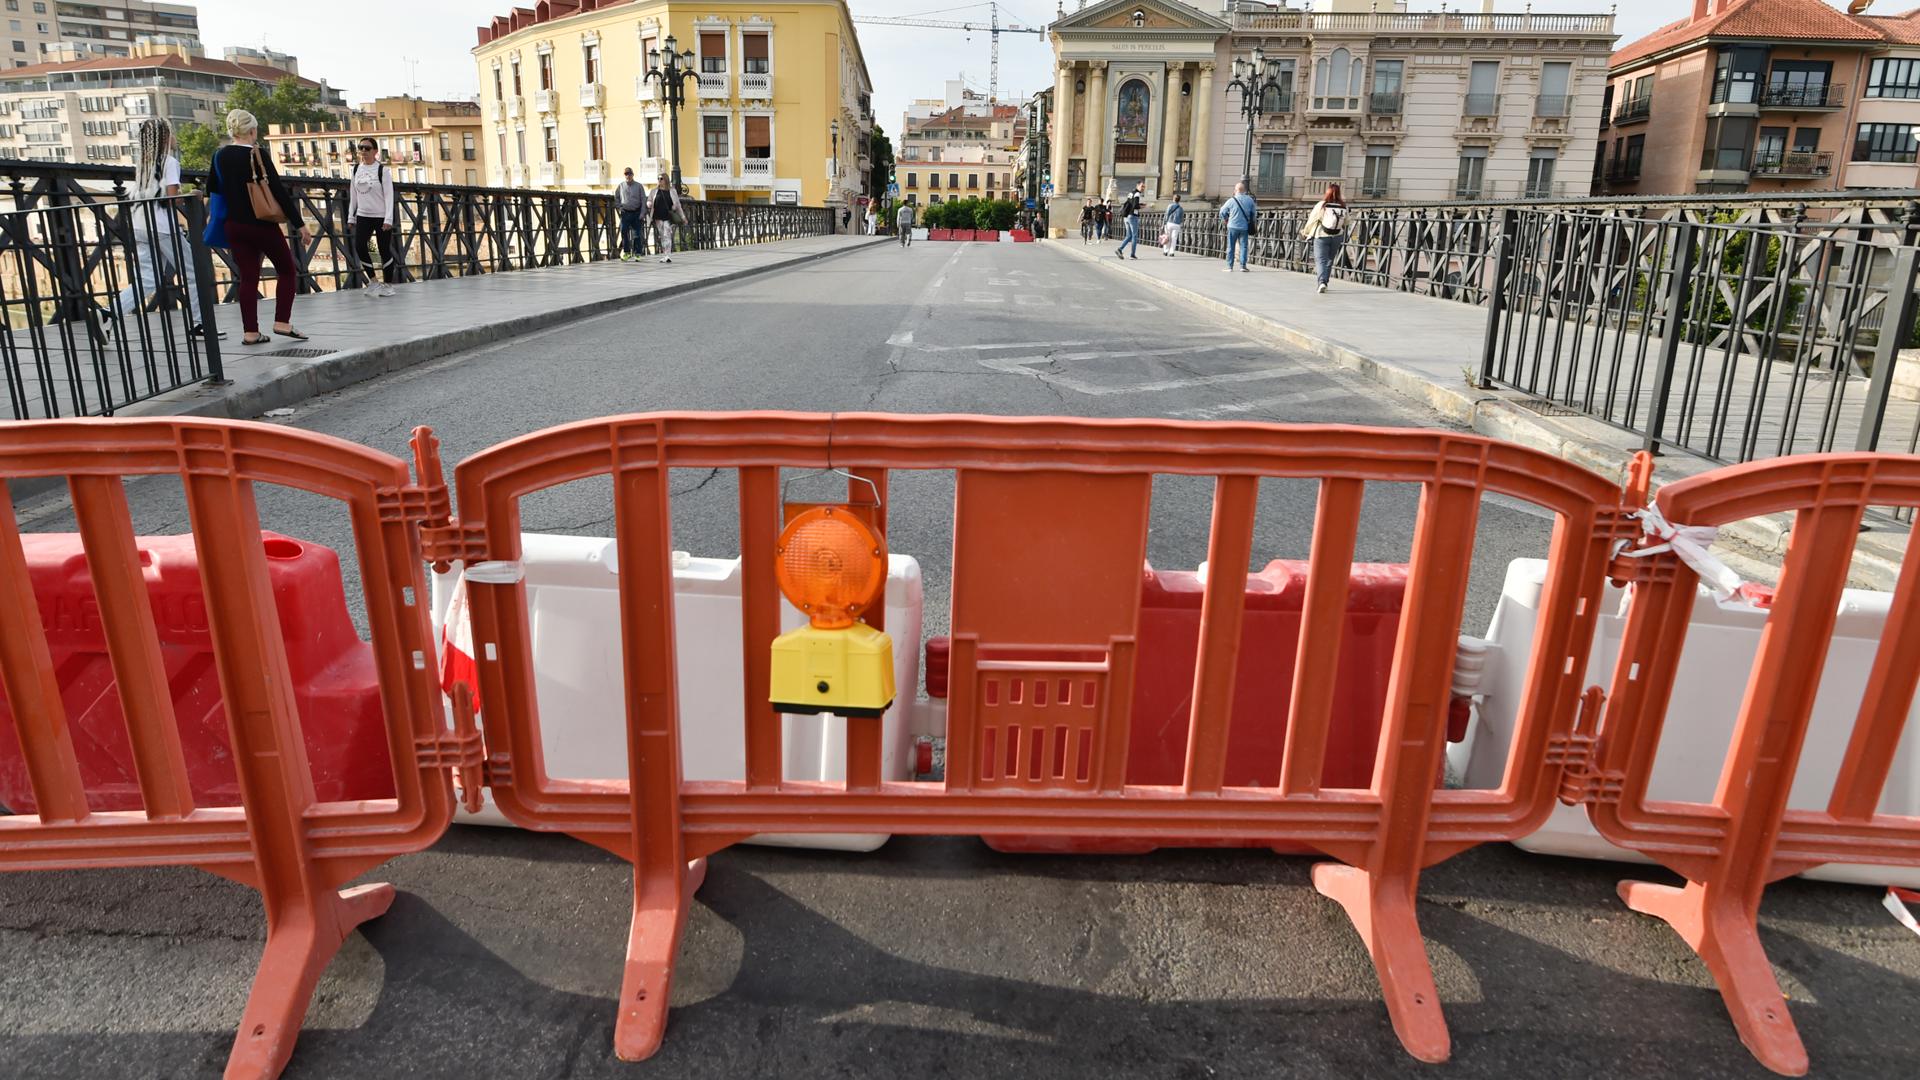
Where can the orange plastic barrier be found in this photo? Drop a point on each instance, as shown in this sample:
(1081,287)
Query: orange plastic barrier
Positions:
(1731,848)
(1050,532)
(279,840)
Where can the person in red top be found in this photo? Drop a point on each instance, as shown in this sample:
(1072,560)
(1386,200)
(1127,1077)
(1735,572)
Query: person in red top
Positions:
(251,238)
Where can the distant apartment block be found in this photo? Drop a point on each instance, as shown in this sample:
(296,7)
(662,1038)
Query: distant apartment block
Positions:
(1764,96)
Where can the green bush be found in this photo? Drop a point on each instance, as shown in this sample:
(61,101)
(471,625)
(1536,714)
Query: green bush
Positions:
(996,214)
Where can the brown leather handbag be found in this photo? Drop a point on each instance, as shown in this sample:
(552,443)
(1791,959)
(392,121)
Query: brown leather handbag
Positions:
(266,207)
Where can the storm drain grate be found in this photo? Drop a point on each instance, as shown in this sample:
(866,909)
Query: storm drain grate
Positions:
(301,354)
(1546,408)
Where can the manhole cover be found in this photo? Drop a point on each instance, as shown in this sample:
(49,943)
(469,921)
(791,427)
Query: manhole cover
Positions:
(1545,408)
(301,354)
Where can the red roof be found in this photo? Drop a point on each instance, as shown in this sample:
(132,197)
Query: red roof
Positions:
(168,61)
(1898,29)
(1766,20)
(959,116)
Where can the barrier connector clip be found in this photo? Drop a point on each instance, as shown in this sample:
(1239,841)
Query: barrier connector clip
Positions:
(461,750)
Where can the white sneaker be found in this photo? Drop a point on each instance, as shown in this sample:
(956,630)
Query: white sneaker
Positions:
(385,290)
(369,291)
(1229,268)
(666,258)
(1323,288)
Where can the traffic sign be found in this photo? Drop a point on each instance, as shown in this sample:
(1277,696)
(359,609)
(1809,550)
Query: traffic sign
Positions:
(1031,204)
(1046,189)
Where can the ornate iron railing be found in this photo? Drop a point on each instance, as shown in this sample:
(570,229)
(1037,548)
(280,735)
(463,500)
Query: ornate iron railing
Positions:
(73,242)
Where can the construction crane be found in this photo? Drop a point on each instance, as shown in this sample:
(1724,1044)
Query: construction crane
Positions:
(992,27)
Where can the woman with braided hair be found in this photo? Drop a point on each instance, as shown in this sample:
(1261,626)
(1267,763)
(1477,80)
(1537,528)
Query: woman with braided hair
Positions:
(160,251)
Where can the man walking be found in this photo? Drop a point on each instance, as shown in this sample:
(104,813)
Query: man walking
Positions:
(903,224)
(631,198)
(663,209)
(1130,214)
(1238,213)
(1170,236)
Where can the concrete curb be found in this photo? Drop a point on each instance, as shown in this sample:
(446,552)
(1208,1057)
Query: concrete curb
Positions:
(1876,562)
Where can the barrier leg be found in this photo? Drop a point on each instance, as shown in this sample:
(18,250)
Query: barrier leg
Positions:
(302,937)
(660,903)
(1720,928)
(1382,912)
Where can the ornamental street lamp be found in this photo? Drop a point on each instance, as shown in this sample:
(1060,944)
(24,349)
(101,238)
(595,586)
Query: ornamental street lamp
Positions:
(674,69)
(1252,80)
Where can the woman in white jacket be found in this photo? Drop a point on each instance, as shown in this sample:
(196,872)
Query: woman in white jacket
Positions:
(160,251)
(1327,227)
(371,207)
(663,213)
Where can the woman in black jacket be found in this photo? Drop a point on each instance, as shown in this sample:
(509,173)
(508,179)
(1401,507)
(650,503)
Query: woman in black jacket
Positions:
(251,238)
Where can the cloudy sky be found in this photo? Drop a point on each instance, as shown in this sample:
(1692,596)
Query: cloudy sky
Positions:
(374,47)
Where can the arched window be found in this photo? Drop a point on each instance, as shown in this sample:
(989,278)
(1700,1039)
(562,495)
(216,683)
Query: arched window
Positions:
(1336,82)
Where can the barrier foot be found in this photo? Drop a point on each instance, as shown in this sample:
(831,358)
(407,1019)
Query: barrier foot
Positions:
(300,944)
(1716,925)
(1383,914)
(659,918)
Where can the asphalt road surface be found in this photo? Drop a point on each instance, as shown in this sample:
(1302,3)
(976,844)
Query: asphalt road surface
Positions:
(930,957)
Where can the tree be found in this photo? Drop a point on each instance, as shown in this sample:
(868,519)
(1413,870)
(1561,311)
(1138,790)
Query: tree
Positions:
(880,150)
(195,143)
(289,102)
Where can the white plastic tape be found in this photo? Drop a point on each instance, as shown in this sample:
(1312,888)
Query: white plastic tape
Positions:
(1690,542)
(495,573)
(1896,903)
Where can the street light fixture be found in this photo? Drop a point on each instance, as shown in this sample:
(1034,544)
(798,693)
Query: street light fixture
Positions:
(674,69)
(1252,79)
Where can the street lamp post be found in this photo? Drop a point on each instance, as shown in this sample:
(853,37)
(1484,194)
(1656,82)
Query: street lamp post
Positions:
(1251,80)
(673,68)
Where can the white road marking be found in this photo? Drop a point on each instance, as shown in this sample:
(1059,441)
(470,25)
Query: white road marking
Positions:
(1298,397)
(1025,365)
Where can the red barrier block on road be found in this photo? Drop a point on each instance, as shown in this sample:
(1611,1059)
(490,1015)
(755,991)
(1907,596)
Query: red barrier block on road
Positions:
(1169,636)
(939,234)
(335,683)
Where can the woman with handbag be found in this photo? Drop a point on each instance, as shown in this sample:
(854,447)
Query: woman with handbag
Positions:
(663,210)
(257,206)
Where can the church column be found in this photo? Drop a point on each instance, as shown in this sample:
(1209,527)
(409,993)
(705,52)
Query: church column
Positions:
(1203,180)
(1170,130)
(1060,137)
(1096,134)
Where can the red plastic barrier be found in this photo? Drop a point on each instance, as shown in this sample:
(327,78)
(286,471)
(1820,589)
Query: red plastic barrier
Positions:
(1022,236)
(939,234)
(1169,635)
(961,234)
(336,686)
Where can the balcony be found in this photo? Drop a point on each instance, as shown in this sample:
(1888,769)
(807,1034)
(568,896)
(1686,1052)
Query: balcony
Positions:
(496,110)
(1430,22)
(1797,165)
(517,176)
(645,89)
(1481,105)
(1552,107)
(1623,172)
(716,171)
(756,86)
(593,95)
(1808,98)
(546,102)
(1378,189)
(596,173)
(1551,191)
(549,174)
(516,110)
(715,84)
(1272,187)
(757,171)
(1633,110)
(1385,104)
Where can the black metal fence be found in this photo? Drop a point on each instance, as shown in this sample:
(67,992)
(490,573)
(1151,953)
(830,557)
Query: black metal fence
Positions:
(1732,328)
(77,344)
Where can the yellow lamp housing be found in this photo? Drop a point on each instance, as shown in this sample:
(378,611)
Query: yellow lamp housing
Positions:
(846,671)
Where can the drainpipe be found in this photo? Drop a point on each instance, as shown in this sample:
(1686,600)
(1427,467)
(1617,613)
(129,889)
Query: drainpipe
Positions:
(1842,154)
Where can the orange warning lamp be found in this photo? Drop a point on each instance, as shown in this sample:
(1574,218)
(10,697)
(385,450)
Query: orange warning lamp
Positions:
(832,565)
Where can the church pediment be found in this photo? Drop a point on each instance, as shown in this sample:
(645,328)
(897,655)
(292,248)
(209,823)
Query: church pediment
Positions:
(1143,15)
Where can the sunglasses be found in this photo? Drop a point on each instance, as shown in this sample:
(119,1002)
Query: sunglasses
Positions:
(368,149)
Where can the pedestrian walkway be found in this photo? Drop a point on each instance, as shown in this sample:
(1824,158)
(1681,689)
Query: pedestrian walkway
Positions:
(1430,349)
(355,336)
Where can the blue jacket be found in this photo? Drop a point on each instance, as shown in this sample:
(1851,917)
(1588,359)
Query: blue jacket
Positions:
(1176,214)
(1238,214)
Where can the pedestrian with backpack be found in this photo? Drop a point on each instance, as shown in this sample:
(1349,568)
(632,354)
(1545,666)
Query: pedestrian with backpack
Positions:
(371,208)
(1241,214)
(1130,216)
(1327,227)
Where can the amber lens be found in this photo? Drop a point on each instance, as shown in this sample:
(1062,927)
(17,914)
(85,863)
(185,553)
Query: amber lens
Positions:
(831,565)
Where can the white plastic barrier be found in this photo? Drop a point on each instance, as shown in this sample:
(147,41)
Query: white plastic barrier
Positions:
(1715,662)
(573,601)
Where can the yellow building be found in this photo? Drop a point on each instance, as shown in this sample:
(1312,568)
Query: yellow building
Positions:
(779,112)
(423,142)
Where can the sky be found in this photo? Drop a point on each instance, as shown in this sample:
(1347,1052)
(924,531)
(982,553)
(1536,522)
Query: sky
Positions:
(370,48)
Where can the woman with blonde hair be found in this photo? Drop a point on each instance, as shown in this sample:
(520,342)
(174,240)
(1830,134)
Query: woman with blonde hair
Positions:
(254,232)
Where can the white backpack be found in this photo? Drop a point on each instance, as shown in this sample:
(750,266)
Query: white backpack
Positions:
(1333,219)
